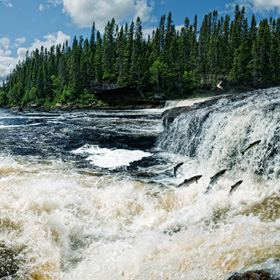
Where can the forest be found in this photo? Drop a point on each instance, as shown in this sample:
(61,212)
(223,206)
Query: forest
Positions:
(238,51)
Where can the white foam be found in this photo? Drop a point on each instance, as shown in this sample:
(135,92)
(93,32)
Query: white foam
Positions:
(110,158)
(185,102)
(18,125)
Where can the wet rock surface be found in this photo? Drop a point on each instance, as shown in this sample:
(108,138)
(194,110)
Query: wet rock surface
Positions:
(169,115)
(254,275)
(9,263)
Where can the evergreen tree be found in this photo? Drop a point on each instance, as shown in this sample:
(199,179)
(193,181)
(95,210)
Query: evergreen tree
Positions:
(263,45)
(138,54)
(98,66)
(109,51)
(174,62)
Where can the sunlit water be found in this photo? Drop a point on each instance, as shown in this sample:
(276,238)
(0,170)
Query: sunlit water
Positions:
(92,194)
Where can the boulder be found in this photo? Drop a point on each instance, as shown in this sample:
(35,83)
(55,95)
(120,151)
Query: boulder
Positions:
(159,96)
(253,275)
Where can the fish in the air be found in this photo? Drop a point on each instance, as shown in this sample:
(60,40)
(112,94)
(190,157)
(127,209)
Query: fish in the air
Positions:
(219,85)
(189,181)
(234,187)
(251,146)
(176,168)
(214,179)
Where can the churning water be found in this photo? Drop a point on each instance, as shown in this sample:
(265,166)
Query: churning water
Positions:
(92,194)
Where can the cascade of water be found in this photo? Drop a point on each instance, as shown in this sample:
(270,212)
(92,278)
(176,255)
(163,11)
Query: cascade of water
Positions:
(184,102)
(63,220)
(215,135)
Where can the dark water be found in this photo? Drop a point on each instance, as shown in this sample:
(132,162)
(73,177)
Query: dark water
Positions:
(55,133)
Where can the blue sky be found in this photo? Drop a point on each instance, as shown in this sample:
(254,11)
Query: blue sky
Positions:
(29,24)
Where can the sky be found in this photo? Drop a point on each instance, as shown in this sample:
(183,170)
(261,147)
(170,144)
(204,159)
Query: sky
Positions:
(30,24)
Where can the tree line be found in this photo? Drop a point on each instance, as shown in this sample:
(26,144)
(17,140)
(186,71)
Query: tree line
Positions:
(174,62)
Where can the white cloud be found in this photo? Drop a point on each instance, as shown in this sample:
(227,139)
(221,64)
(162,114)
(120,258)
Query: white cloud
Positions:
(4,46)
(50,40)
(258,6)
(144,11)
(49,4)
(19,41)
(7,3)
(41,7)
(8,63)
(4,43)
(267,5)
(84,12)
(149,31)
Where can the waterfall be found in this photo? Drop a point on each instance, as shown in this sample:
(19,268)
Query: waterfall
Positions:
(184,102)
(73,205)
(214,135)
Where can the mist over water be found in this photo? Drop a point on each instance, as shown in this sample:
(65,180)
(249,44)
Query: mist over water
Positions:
(92,195)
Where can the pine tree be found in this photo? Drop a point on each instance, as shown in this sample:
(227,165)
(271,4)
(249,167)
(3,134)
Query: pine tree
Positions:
(138,52)
(74,86)
(274,57)
(109,54)
(174,62)
(92,43)
(121,44)
(263,44)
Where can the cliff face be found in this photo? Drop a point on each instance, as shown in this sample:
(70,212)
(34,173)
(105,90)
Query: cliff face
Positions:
(119,96)
(114,96)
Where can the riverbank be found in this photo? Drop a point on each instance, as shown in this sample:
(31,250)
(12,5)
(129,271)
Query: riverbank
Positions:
(118,101)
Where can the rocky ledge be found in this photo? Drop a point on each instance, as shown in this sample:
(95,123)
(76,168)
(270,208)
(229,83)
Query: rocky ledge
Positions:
(254,275)
(169,115)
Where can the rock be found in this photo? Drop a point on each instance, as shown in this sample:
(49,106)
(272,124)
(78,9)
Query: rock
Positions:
(58,105)
(120,97)
(8,261)
(159,96)
(102,86)
(253,275)
(169,115)
(86,106)
(70,104)
(17,108)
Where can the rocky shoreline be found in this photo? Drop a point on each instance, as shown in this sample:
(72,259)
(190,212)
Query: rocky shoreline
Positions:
(128,98)
(93,106)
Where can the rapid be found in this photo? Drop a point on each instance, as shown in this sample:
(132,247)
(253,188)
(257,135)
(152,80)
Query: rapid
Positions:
(92,194)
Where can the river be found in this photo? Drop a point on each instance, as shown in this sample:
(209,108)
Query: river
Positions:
(91,194)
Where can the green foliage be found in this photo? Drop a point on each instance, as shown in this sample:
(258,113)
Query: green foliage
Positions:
(3,98)
(159,73)
(189,79)
(170,61)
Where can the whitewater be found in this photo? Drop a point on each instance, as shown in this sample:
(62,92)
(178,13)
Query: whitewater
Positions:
(92,194)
